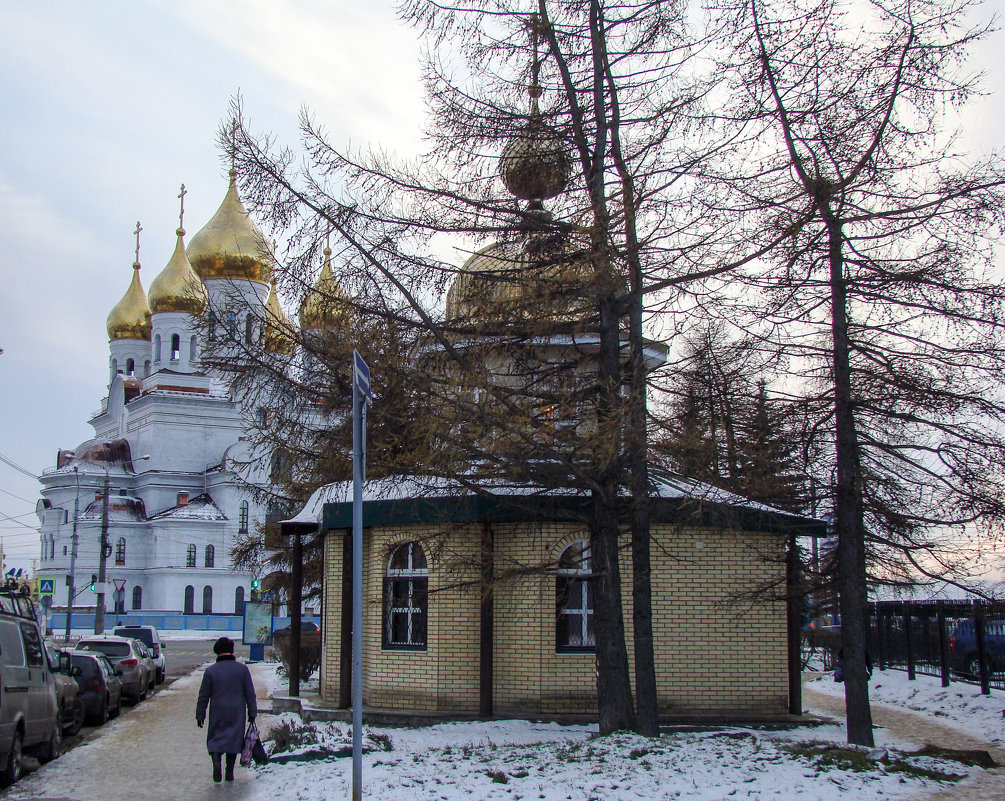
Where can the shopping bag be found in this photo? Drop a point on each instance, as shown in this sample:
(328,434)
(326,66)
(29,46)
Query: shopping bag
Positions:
(251,738)
(258,753)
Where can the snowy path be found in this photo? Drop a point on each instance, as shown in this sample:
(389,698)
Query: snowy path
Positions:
(905,725)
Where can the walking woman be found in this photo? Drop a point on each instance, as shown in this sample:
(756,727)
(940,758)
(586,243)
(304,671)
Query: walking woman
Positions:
(228,691)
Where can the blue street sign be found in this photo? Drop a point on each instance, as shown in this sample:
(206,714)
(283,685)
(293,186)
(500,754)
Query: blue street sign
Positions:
(45,587)
(361,375)
(265,596)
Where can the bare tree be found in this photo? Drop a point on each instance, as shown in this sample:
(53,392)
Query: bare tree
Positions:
(882,301)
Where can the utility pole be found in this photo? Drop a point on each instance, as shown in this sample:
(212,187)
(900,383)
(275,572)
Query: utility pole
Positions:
(70,579)
(99,611)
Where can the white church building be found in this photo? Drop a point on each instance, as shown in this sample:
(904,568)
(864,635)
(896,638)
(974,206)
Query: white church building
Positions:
(168,437)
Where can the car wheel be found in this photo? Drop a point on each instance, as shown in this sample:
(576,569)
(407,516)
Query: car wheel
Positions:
(77,723)
(50,750)
(160,676)
(11,771)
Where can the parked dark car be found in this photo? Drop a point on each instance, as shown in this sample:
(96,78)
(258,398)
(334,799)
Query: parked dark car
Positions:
(305,625)
(99,683)
(71,707)
(963,647)
(137,671)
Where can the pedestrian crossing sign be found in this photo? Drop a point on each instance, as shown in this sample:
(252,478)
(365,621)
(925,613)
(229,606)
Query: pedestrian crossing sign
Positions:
(45,586)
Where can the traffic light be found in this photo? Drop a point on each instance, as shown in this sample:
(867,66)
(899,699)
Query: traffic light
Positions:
(94,581)
(256,584)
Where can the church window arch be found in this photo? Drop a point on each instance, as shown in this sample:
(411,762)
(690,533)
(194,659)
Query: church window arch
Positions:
(137,598)
(242,526)
(207,600)
(120,551)
(406,600)
(574,599)
(249,329)
(210,556)
(190,555)
(193,349)
(146,369)
(212,324)
(157,349)
(232,325)
(189,600)
(130,366)
(115,367)
(175,347)
(239,600)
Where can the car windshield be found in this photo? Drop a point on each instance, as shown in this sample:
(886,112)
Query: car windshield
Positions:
(106,648)
(143,635)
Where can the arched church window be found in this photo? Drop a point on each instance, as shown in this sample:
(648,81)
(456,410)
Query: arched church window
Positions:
(175,347)
(406,599)
(190,555)
(574,599)
(115,367)
(207,600)
(249,329)
(212,324)
(232,325)
(137,598)
(130,366)
(157,349)
(239,601)
(242,527)
(193,348)
(120,551)
(146,369)
(190,599)
(210,555)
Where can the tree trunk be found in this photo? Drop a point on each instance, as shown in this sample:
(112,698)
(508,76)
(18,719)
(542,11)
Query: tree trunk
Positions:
(848,505)
(614,692)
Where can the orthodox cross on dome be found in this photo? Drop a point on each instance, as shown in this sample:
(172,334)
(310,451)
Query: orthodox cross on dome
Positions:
(139,228)
(181,213)
(534,90)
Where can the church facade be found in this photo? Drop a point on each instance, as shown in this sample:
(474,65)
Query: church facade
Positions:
(168,439)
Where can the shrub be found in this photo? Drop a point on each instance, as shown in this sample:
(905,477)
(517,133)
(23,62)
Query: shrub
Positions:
(310,652)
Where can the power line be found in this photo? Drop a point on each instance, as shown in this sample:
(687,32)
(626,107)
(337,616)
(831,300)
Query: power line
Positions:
(5,492)
(15,520)
(10,463)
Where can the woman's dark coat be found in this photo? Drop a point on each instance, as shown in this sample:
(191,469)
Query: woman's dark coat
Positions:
(228,691)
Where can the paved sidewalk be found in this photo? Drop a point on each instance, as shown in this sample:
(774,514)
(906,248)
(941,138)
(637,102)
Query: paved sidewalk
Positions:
(988,786)
(154,753)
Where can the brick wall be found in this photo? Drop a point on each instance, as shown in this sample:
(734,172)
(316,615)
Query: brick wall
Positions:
(717,652)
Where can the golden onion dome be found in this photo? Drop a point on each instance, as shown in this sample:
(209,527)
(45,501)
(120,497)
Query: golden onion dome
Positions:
(534,164)
(230,246)
(178,288)
(278,328)
(130,317)
(326,305)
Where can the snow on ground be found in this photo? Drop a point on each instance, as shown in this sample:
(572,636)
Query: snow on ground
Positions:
(506,760)
(959,705)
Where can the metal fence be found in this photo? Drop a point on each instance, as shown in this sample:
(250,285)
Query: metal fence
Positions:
(953,640)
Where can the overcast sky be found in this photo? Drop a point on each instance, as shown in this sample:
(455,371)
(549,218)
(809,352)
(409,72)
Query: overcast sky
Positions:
(108,106)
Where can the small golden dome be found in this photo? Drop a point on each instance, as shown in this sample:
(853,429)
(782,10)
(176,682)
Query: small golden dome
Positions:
(130,317)
(534,164)
(230,244)
(484,280)
(278,328)
(326,305)
(178,288)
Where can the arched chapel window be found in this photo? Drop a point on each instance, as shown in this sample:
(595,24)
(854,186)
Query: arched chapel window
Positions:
(574,599)
(239,600)
(175,347)
(249,329)
(242,526)
(207,600)
(190,599)
(406,599)
(190,555)
(137,598)
(210,556)
(120,551)
(193,349)
(157,349)
(130,366)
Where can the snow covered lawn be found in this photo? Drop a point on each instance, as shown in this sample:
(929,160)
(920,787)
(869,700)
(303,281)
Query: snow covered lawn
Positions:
(521,760)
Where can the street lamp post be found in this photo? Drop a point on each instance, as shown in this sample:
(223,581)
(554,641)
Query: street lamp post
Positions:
(70,578)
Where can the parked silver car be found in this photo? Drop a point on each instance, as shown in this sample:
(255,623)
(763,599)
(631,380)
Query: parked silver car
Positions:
(150,637)
(125,655)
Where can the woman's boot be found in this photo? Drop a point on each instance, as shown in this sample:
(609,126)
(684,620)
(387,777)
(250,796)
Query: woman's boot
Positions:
(217,768)
(231,759)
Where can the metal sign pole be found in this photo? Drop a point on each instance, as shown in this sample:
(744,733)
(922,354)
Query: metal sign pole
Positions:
(360,385)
